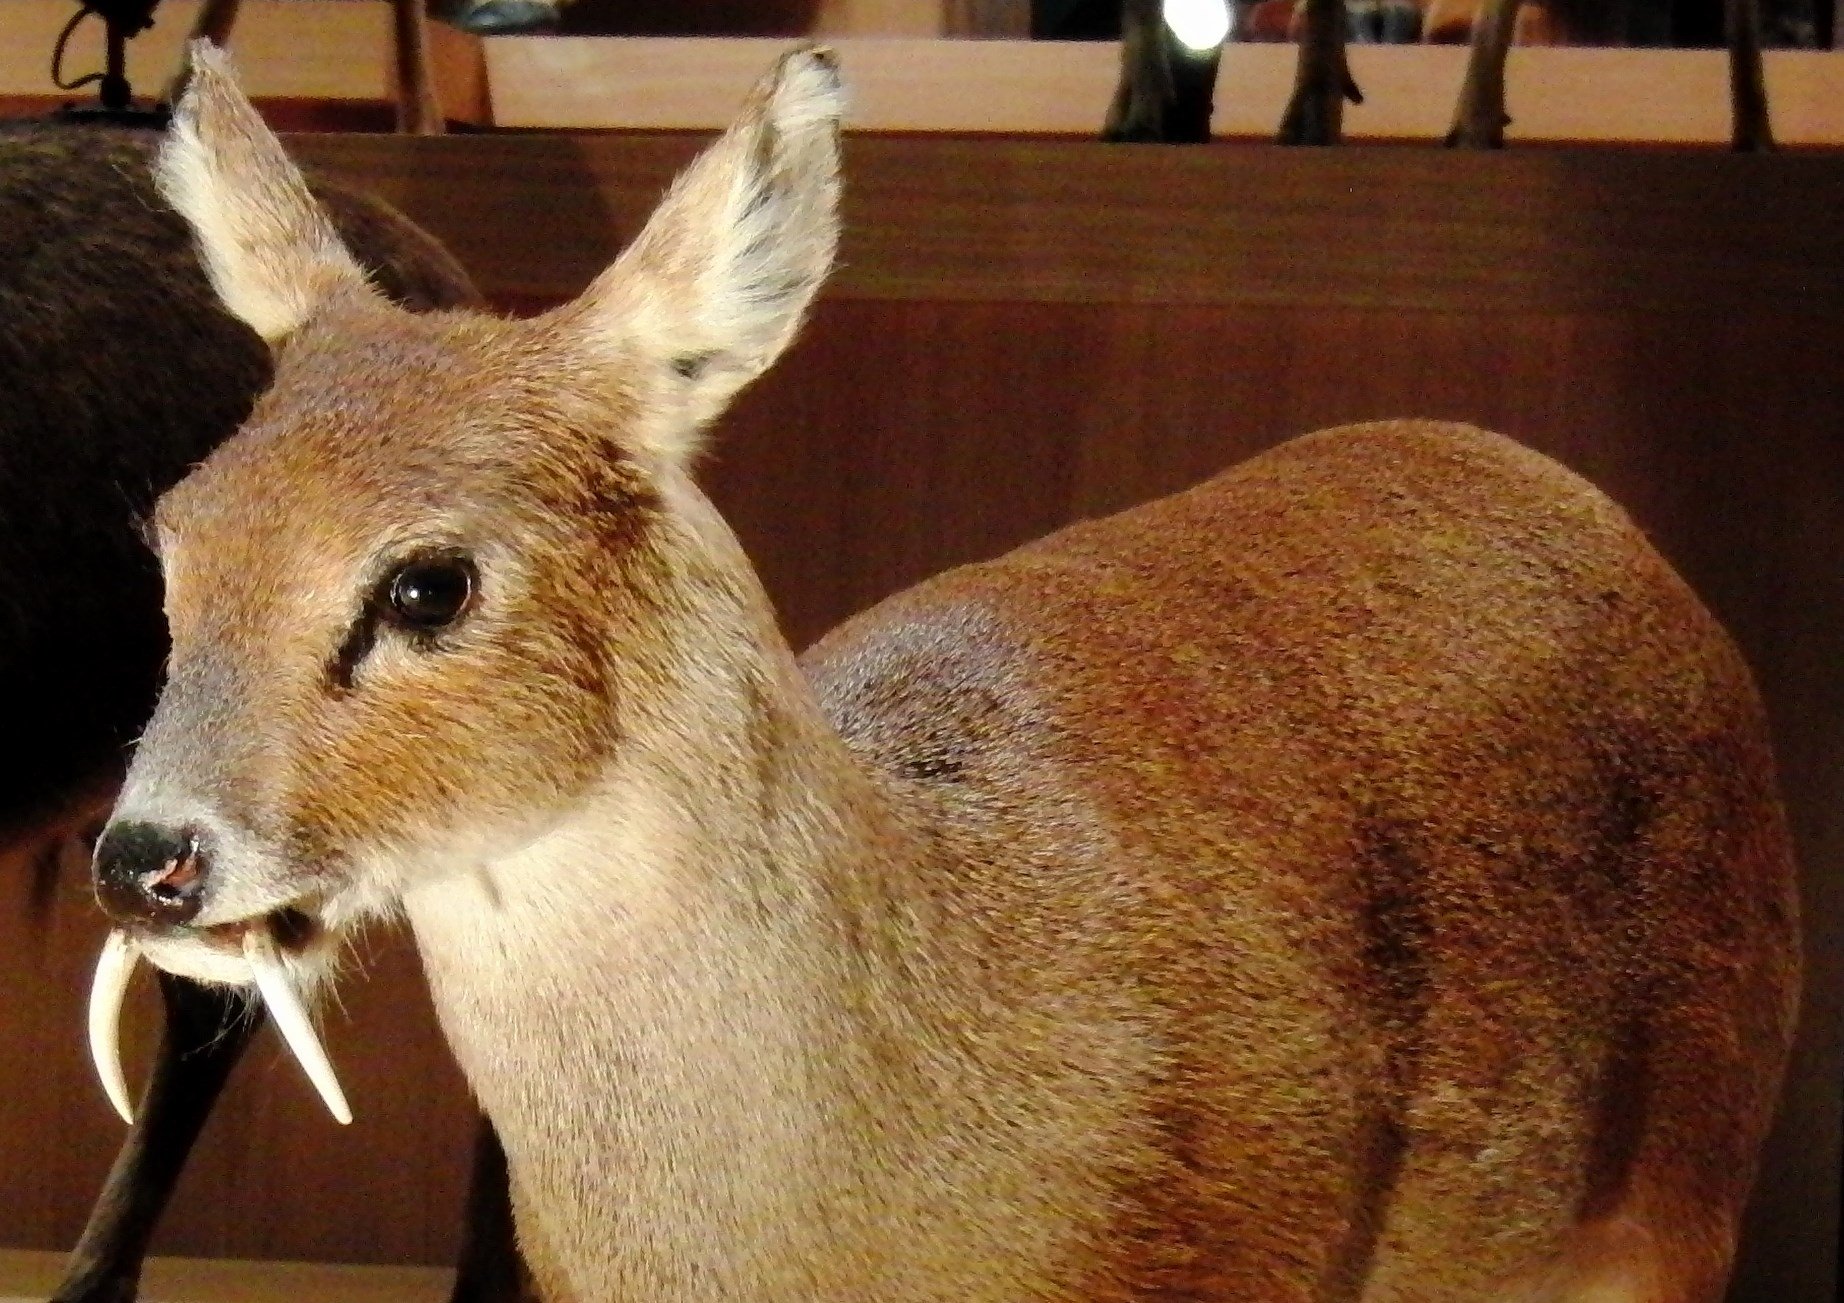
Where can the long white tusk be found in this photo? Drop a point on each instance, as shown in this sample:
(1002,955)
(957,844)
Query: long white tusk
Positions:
(291,1020)
(108,993)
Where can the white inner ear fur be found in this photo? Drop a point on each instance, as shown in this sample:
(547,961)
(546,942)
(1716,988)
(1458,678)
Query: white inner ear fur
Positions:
(719,281)
(271,253)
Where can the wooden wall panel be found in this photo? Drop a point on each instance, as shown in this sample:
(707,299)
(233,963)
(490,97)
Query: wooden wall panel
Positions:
(1011,221)
(1027,333)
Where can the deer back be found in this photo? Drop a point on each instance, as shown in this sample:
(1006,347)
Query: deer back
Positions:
(1432,815)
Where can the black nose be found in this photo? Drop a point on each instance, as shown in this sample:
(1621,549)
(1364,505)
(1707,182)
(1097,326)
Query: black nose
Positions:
(147,873)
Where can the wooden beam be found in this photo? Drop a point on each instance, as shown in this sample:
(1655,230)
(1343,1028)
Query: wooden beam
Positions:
(535,216)
(28,1276)
(1557,94)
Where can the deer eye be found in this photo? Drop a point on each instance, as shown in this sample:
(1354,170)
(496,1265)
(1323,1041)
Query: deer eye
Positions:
(429,593)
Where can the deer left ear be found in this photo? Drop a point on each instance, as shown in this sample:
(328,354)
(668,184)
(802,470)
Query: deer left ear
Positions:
(270,251)
(716,286)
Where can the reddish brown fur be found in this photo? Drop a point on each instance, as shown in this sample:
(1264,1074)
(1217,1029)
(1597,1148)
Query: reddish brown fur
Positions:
(588,518)
(1475,803)
(1360,877)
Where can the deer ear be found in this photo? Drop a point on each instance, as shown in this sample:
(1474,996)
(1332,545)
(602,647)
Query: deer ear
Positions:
(271,253)
(717,283)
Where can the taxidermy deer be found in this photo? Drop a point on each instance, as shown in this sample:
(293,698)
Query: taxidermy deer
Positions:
(1361,876)
(118,372)
(1167,78)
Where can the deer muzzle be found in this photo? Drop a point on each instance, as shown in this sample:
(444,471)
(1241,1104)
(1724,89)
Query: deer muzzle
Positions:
(151,873)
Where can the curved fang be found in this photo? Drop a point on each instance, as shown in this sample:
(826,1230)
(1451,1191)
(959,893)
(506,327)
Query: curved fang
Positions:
(108,992)
(291,1020)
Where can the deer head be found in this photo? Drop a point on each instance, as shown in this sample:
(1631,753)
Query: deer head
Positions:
(423,598)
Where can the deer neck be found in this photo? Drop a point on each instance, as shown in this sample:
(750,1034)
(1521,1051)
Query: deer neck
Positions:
(670,1002)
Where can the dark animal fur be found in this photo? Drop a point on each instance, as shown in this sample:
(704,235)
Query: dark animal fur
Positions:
(118,372)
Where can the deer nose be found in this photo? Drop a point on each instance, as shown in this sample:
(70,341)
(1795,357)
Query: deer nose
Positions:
(148,873)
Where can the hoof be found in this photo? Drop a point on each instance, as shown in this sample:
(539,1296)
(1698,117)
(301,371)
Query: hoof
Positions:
(1307,122)
(504,17)
(1475,136)
(98,1289)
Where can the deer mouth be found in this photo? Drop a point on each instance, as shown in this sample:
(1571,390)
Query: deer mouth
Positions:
(270,953)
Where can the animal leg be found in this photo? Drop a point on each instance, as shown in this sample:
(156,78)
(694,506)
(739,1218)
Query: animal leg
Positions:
(207,1030)
(419,109)
(1480,119)
(489,1270)
(1166,92)
(1322,80)
(214,22)
(1751,131)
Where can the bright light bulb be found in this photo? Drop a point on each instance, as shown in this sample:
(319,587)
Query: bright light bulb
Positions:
(1199,25)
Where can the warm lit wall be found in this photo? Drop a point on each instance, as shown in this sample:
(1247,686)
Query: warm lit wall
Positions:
(1028,332)
(795,17)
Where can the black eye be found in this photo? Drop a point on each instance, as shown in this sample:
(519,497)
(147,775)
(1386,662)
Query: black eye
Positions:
(430,593)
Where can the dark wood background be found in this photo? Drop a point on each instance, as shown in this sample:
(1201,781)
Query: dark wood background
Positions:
(1023,333)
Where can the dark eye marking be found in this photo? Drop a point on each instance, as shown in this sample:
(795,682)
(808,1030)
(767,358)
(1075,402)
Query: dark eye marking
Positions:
(357,646)
(420,596)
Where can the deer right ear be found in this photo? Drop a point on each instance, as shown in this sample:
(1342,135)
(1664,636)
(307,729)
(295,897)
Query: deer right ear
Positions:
(717,283)
(271,253)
